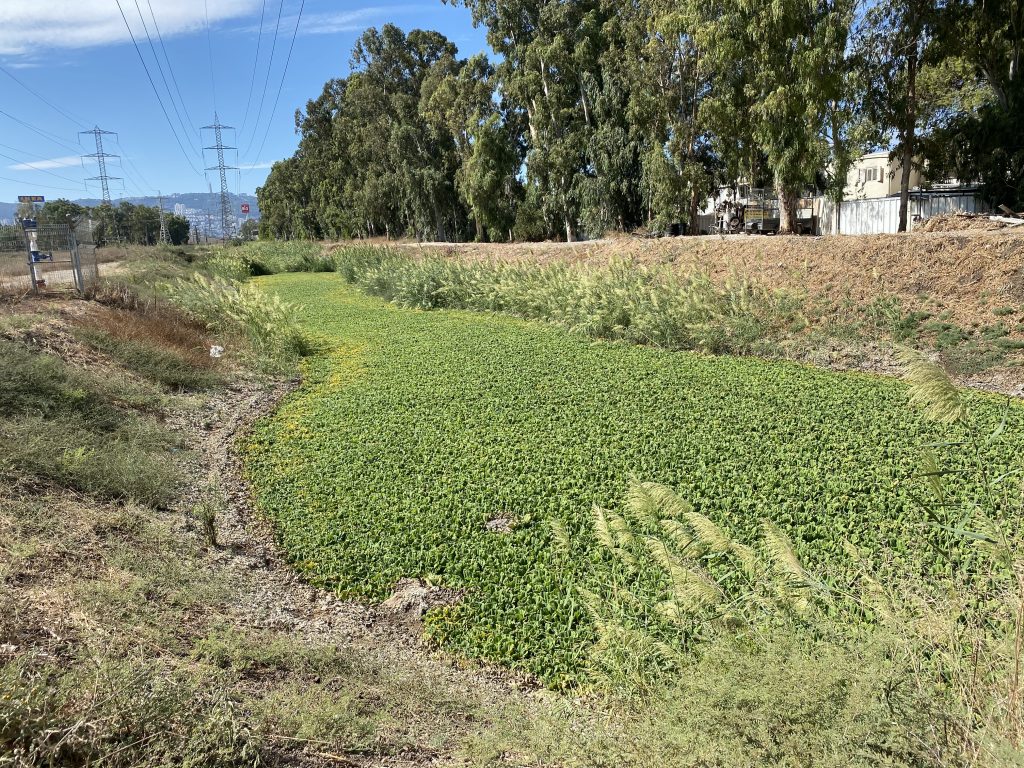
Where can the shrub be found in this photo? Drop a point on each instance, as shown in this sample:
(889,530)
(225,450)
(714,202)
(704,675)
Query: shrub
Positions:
(120,713)
(270,325)
(268,258)
(621,301)
(129,462)
(60,425)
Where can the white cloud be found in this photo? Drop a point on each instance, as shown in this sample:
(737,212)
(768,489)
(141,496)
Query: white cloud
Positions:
(258,166)
(352,21)
(45,165)
(336,21)
(26,27)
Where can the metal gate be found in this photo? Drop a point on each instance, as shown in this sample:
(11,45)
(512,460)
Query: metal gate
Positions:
(38,257)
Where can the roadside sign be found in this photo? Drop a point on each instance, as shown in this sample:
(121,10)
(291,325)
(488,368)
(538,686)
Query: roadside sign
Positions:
(245,207)
(31,199)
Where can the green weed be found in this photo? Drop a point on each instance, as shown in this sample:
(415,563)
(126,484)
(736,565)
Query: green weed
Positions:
(624,301)
(414,429)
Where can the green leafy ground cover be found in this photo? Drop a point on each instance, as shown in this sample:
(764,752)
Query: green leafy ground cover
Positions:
(414,429)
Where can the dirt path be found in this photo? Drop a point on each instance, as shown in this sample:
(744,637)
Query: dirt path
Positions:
(269,594)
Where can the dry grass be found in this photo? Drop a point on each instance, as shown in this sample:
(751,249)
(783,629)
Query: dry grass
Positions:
(969,275)
(162,327)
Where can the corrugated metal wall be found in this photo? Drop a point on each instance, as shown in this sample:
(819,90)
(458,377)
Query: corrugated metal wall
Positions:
(882,216)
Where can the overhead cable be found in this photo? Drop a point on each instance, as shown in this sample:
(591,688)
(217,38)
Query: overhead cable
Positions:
(174,79)
(255,66)
(284,74)
(160,69)
(155,91)
(52,106)
(45,134)
(266,82)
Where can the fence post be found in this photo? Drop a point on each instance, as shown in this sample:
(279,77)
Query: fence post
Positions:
(29,230)
(76,258)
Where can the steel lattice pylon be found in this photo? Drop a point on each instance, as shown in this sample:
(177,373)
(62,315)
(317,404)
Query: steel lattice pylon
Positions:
(226,217)
(101,160)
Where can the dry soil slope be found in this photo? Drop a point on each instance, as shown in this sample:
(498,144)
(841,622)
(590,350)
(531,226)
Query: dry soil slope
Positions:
(967,274)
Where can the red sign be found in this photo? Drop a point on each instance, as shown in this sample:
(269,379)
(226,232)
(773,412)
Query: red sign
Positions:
(245,207)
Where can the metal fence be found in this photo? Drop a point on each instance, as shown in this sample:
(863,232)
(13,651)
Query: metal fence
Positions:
(50,258)
(882,216)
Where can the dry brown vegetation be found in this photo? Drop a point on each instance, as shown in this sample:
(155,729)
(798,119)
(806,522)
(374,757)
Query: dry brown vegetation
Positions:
(969,274)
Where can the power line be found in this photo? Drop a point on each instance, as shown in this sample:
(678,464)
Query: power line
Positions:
(155,91)
(130,179)
(255,65)
(40,186)
(30,154)
(45,134)
(266,82)
(40,170)
(174,80)
(284,74)
(74,120)
(160,69)
(145,184)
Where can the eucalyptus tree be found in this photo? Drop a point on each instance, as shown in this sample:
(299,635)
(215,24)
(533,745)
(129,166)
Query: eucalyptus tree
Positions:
(894,45)
(671,82)
(778,70)
(458,96)
(984,141)
(549,50)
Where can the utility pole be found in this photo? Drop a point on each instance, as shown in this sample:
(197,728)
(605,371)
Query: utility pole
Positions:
(101,160)
(164,236)
(226,216)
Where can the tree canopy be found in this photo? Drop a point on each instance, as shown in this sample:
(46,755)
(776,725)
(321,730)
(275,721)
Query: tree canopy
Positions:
(600,115)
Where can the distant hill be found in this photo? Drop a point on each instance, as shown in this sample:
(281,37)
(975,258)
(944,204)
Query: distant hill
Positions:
(199,201)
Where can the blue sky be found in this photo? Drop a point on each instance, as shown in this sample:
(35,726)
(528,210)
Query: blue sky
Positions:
(77,55)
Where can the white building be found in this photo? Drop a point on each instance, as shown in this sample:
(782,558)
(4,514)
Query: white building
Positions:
(874,175)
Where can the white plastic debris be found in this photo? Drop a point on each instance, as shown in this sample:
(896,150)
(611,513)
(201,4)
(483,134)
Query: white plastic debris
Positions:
(216,352)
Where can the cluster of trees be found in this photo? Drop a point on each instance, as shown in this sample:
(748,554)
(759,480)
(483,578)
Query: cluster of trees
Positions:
(601,114)
(125,223)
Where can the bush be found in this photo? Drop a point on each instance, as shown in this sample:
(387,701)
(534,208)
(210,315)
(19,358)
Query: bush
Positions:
(127,463)
(61,426)
(268,258)
(621,301)
(271,326)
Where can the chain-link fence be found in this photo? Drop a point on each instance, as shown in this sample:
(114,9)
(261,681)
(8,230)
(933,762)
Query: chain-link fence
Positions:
(47,258)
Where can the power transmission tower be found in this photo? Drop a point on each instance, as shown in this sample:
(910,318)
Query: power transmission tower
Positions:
(164,237)
(226,217)
(101,160)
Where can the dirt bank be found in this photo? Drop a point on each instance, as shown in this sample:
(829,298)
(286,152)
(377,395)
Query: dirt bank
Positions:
(969,275)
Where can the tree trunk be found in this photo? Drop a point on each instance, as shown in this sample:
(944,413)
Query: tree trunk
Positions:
(787,208)
(479,230)
(439,223)
(909,138)
(694,215)
(570,231)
